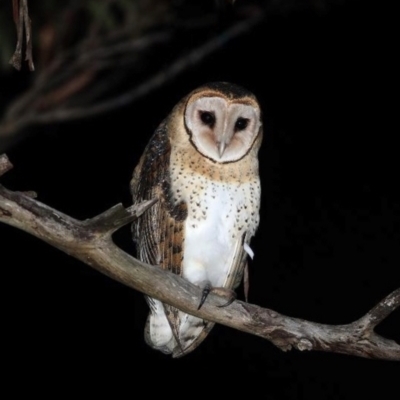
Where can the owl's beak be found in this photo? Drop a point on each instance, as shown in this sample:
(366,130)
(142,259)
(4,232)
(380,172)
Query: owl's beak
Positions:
(221,148)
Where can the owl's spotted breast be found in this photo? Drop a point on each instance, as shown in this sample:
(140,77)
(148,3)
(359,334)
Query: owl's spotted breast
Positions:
(222,205)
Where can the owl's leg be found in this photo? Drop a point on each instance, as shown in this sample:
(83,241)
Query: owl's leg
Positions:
(229,294)
(235,264)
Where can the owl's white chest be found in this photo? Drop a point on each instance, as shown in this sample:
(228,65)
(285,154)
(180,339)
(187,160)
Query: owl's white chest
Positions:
(219,214)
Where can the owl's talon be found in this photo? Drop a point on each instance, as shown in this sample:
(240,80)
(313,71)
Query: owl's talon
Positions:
(231,299)
(206,291)
(229,294)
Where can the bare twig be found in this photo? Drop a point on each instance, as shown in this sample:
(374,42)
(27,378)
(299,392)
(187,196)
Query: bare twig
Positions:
(116,217)
(5,164)
(90,241)
(22,20)
(19,23)
(380,311)
(28,36)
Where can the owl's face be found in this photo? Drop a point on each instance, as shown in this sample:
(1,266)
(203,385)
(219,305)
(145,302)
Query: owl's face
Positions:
(222,127)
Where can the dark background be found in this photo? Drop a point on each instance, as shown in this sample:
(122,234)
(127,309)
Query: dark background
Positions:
(327,248)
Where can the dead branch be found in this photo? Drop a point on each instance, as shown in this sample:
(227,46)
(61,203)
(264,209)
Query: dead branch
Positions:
(22,22)
(90,241)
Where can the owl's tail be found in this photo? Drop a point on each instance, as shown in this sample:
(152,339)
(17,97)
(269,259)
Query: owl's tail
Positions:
(192,332)
(158,333)
(162,334)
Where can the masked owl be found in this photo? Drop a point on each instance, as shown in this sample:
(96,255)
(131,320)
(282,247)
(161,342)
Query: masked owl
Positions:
(202,166)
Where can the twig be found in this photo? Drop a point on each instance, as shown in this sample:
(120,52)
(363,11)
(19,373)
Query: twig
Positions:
(5,164)
(117,217)
(380,311)
(19,23)
(22,20)
(90,241)
(28,36)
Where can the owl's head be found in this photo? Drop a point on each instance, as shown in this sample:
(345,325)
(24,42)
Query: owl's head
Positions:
(223,121)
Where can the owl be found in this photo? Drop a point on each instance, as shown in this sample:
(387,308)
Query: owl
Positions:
(201,165)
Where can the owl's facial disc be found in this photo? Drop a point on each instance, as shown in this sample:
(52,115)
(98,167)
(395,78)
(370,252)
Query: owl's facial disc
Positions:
(221,130)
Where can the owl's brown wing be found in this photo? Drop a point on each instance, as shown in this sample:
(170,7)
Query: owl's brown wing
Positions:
(159,232)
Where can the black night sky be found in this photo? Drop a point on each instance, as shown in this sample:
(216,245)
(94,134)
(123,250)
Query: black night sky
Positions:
(327,248)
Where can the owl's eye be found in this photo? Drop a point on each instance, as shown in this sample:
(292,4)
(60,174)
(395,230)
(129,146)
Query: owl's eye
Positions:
(241,124)
(208,118)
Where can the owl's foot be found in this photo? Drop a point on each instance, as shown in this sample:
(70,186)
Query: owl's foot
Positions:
(228,294)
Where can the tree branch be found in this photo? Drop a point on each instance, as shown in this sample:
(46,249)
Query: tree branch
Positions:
(90,241)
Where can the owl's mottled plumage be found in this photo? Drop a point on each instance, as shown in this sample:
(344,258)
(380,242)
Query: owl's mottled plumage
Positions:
(201,164)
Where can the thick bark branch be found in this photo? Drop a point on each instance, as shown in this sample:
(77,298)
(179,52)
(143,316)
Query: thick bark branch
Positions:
(90,241)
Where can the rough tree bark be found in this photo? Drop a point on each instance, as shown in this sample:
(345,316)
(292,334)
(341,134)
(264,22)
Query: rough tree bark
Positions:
(90,241)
